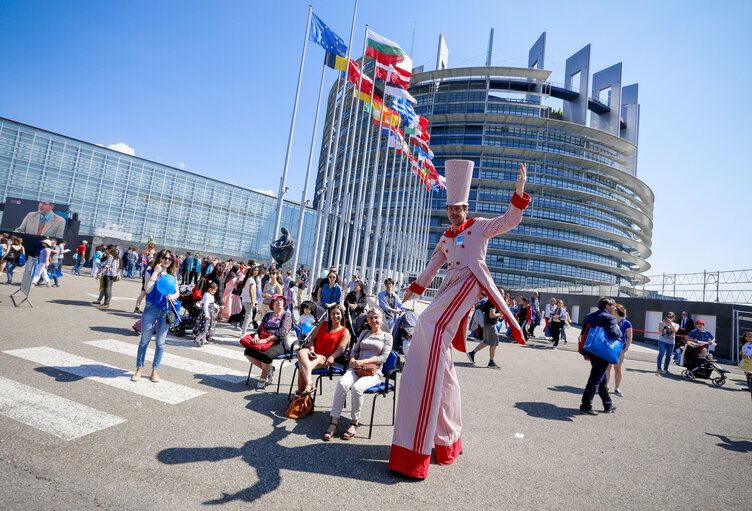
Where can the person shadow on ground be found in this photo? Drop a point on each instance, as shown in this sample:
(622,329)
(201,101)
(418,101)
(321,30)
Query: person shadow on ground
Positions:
(267,455)
(547,411)
(732,445)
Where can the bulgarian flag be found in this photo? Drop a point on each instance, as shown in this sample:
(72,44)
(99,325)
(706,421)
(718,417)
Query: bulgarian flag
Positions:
(382,49)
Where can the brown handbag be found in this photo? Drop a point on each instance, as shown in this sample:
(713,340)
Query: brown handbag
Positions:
(367,370)
(299,407)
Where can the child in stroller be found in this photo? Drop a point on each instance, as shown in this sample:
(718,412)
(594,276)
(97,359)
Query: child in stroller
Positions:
(699,364)
(191,306)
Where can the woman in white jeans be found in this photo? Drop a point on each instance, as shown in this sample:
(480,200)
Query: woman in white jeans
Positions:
(373,347)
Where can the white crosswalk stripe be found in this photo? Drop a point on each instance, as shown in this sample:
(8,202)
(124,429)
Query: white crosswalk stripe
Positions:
(52,414)
(214,371)
(165,391)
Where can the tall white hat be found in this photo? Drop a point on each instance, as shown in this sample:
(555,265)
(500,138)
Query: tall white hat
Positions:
(459,175)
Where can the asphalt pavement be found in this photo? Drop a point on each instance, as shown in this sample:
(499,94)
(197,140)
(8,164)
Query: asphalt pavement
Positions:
(75,433)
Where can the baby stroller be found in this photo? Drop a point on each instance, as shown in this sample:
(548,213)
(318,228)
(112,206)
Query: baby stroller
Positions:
(697,366)
(191,307)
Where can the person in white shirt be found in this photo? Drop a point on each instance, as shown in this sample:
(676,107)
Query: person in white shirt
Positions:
(248,298)
(43,264)
(550,306)
(208,315)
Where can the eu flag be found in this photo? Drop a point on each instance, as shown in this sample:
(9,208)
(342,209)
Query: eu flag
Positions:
(324,36)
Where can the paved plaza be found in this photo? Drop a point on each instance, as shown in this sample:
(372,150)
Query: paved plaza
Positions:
(75,433)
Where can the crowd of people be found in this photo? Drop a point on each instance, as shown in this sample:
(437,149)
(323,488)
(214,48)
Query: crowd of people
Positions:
(266,300)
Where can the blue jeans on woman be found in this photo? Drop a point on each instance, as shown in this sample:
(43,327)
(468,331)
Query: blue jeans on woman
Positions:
(664,349)
(9,270)
(152,314)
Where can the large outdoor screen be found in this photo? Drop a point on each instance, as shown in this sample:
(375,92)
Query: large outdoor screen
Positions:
(37,217)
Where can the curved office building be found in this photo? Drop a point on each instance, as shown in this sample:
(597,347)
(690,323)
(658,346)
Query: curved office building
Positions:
(590,220)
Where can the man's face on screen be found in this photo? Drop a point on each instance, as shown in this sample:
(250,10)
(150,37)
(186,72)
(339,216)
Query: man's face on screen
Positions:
(45,207)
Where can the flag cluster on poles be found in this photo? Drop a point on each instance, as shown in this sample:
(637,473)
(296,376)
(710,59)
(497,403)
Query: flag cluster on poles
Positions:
(394,68)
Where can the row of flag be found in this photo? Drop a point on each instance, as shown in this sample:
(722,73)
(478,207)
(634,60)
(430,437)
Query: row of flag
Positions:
(404,127)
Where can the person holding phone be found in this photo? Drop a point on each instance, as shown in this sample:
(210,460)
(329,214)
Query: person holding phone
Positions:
(668,329)
(330,340)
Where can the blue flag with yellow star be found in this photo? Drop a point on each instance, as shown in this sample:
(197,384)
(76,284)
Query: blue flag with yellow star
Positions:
(323,35)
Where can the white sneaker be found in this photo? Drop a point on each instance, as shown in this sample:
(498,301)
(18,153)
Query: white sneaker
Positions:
(270,376)
(618,392)
(261,384)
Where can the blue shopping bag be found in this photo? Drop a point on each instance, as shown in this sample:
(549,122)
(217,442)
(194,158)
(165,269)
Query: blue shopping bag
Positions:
(597,343)
(548,331)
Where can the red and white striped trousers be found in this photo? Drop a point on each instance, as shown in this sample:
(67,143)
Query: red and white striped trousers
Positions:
(428,407)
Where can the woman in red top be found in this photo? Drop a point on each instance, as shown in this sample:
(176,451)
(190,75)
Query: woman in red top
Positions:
(330,339)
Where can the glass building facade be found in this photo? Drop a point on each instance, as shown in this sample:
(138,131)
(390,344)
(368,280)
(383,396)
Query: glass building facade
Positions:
(590,220)
(181,210)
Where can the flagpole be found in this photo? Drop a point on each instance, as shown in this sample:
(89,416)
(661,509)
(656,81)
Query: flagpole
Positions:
(318,253)
(419,229)
(349,242)
(372,280)
(354,111)
(367,231)
(301,215)
(405,224)
(382,249)
(388,233)
(282,181)
(337,219)
(428,230)
(330,186)
(386,237)
(398,210)
(413,225)
(357,229)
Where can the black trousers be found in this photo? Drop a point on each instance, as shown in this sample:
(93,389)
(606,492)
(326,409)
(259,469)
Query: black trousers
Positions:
(556,327)
(596,382)
(192,277)
(107,288)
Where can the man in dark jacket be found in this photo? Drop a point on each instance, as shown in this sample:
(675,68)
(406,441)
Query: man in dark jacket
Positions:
(604,318)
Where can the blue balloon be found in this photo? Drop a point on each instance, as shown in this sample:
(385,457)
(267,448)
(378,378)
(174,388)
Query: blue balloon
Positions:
(166,284)
(306,327)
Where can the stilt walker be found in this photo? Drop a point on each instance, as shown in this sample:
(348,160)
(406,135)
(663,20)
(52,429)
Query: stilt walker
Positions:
(428,408)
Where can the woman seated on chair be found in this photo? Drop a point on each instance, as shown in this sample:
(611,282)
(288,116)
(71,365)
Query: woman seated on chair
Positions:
(330,339)
(356,301)
(276,322)
(372,348)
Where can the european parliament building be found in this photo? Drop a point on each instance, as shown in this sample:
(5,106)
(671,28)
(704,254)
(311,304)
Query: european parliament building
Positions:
(590,220)
(180,209)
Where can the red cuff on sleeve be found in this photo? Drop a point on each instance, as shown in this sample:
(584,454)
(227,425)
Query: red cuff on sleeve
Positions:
(520,202)
(415,288)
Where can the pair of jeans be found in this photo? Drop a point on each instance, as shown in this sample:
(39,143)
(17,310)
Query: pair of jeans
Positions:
(54,268)
(107,280)
(596,381)
(79,264)
(129,267)
(151,315)
(664,349)
(9,271)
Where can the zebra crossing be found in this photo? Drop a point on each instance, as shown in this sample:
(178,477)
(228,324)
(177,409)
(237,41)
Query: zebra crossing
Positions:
(55,414)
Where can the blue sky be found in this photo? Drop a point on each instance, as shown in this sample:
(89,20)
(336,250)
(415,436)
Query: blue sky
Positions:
(209,86)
